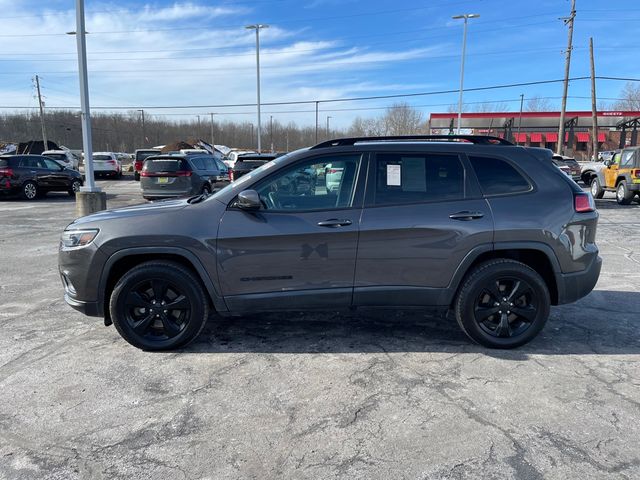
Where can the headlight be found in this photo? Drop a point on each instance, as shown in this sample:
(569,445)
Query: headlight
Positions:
(78,238)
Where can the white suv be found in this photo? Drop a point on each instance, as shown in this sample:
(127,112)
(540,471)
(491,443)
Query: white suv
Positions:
(107,163)
(64,157)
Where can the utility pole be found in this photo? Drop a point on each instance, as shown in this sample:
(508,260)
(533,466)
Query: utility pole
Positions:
(41,104)
(328,136)
(520,117)
(271,131)
(213,145)
(144,136)
(594,111)
(257,28)
(317,121)
(464,17)
(567,21)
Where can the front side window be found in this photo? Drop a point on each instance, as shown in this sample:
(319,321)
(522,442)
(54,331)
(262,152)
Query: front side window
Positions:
(51,165)
(404,178)
(323,183)
(498,177)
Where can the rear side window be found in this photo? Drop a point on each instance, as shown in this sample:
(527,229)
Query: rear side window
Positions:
(410,178)
(165,165)
(199,163)
(498,177)
(627,158)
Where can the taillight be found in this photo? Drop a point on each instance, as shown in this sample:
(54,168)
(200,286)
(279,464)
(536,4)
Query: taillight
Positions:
(112,162)
(332,170)
(636,173)
(6,172)
(583,202)
(231,175)
(182,173)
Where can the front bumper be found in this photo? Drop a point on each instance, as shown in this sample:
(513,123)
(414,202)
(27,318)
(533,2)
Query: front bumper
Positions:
(573,286)
(91,309)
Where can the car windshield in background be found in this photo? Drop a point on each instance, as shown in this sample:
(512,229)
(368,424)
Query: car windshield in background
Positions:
(57,156)
(164,165)
(143,155)
(102,157)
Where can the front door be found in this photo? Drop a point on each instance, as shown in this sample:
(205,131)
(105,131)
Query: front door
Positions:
(299,250)
(421,218)
(57,178)
(611,172)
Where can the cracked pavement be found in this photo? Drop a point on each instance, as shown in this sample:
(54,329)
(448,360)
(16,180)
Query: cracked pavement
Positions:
(368,396)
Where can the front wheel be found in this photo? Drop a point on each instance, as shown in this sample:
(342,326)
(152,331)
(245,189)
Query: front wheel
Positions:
(623,195)
(502,304)
(596,188)
(29,190)
(159,305)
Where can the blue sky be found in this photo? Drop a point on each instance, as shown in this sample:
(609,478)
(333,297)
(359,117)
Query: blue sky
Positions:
(174,53)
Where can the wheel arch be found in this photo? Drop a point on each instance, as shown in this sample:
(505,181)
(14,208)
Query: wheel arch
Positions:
(124,260)
(538,256)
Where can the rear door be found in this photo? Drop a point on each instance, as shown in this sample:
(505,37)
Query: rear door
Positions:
(299,250)
(422,216)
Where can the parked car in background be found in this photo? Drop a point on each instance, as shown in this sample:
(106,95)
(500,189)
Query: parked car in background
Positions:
(572,166)
(31,176)
(590,170)
(64,157)
(139,157)
(332,177)
(247,162)
(620,175)
(106,164)
(606,155)
(180,175)
(232,156)
(491,232)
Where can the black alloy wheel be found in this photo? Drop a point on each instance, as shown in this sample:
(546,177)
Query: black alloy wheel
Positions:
(159,305)
(502,303)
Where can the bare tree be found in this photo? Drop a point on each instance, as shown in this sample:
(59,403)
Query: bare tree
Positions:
(629,98)
(538,104)
(402,119)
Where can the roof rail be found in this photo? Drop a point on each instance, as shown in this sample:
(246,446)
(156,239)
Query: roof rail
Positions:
(475,139)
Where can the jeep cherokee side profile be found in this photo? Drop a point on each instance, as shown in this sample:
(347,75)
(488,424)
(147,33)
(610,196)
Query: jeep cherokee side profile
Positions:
(492,232)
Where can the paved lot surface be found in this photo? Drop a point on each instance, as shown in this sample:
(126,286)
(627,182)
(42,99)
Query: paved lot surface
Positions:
(395,395)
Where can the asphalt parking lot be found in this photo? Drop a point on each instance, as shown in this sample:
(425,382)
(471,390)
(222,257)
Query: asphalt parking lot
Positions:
(390,395)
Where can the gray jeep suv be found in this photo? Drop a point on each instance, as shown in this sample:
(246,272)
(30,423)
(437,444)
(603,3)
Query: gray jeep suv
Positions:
(472,225)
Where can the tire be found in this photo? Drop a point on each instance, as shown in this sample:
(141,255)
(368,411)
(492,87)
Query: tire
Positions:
(135,304)
(596,188)
(587,178)
(136,176)
(75,187)
(623,195)
(29,190)
(481,313)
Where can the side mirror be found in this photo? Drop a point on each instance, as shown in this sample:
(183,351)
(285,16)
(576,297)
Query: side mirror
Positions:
(249,200)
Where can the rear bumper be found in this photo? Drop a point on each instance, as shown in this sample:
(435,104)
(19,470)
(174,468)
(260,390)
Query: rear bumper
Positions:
(633,187)
(573,286)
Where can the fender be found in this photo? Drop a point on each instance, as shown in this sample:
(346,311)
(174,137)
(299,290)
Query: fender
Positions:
(217,300)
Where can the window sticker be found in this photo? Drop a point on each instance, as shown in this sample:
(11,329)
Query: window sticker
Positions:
(393,175)
(414,174)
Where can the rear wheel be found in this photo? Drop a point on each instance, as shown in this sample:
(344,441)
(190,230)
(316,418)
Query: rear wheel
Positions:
(29,190)
(159,306)
(502,304)
(623,195)
(596,188)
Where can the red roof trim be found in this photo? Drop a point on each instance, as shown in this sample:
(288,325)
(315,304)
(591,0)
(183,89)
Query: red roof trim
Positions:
(612,113)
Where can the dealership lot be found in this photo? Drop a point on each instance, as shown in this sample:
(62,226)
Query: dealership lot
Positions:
(373,395)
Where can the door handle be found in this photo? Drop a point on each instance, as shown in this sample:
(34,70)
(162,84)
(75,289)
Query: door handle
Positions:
(466,215)
(334,222)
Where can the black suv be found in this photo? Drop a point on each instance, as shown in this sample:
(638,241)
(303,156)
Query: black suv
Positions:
(492,232)
(31,176)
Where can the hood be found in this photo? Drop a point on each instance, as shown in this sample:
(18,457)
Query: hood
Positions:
(162,207)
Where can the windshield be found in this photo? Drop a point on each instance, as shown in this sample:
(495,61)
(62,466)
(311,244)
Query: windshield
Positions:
(239,184)
(57,156)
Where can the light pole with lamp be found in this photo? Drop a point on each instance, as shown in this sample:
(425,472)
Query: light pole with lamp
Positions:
(257,28)
(465,17)
(90,198)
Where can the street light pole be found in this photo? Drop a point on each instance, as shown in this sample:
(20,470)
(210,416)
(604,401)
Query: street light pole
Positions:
(144,135)
(213,145)
(465,17)
(90,198)
(257,28)
(328,117)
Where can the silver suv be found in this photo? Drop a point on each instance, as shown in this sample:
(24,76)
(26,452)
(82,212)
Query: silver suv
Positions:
(491,232)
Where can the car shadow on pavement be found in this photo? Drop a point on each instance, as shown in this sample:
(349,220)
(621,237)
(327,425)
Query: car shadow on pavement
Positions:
(605,322)
(611,204)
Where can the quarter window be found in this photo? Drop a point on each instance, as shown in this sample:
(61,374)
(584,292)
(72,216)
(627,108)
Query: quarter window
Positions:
(627,159)
(411,178)
(323,183)
(498,177)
